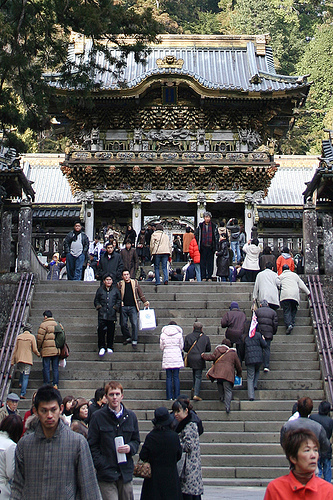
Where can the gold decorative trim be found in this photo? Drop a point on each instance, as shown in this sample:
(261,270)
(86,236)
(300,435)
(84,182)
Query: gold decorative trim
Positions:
(170,61)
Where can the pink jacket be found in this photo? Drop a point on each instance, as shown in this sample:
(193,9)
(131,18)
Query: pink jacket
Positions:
(171,343)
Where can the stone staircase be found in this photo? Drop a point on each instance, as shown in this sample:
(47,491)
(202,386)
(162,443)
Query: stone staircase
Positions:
(239,448)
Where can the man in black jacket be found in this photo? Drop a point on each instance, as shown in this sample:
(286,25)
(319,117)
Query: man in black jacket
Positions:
(268,324)
(207,237)
(110,263)
(113,421)
(107,302)
(325,459)
(196,343)
(76,245)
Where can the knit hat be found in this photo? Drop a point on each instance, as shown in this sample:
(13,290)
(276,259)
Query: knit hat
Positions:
(162,417)
(234,305)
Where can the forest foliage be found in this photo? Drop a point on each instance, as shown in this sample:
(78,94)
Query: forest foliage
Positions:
(34,37)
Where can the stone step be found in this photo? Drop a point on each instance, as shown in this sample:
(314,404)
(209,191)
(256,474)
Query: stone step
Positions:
(249,472)
(242,460)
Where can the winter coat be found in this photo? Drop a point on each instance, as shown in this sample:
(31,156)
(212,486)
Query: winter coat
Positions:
(162,450)
(215,236)
(54,270)
(7,464)
(234,232)
(284,258)
(46,338)
(130,236)
(267,321)
(222,260)
(307,423)
(194,358)
(71,236)
(104,426)
(251,261)
(25,345)
(187,238)
(234,320)
(291,284)
(171,343)
(190,273)
(265,258)
(137,293)
(194,251)
(190,464)
(225,367)
(112,265)
(160,243)
(327,423)
(107,303)
(266,287)
(80,427)
(130,260)
(253,348)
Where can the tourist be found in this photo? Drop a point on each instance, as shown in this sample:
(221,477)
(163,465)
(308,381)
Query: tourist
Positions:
(76,246)
(234,236)
(267,287)
(304,407)
(291,285)
(79,417)
(160,250)
(107,302)
(267,256)
(207,237)
(130,258)
(234,321)
(30,412)
(10,432)
(194,345)
(130,235)
(190,273)
(68,469)
(54,268)
(162,450)
(171,343)
(253,355)
(225,364)
(187,238)
(285,259)
(189,467)
(110,422)
(95,248)
(97,402)
(301,449)
(131,293)
(195,257)
(177,275)
(177,247)
(242,240)
(68,405)
(222,258)
(10,408)
(251,262)
(150,276)
(142,247)
(46,344)
(325,459)
(268,325)
(110,263)
(25,345)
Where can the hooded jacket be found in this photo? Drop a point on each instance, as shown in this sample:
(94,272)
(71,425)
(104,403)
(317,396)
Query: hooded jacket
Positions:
(284,258)
(171,343)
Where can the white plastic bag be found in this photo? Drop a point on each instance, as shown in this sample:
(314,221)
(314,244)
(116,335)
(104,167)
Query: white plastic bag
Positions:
(147,320)
(62,363)
(89,274)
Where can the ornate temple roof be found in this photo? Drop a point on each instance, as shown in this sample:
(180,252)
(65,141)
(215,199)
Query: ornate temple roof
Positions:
(215,63)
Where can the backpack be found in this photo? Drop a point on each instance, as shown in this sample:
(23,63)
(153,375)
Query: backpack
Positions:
(60,336)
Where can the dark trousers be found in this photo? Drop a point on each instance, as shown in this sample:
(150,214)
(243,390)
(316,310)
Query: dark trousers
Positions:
(191,497)
(206,263)
(129,313)
(225,392)
(107,326)
(289,307)
(267,353)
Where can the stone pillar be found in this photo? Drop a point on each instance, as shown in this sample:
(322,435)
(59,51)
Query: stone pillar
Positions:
(6,239)
(249,219)
(89,220)
(310,242)
(328,243)
(136,212)
(201,207)
(24,234)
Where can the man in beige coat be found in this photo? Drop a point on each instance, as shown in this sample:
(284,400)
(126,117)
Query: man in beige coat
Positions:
(48,349)
(22,356)
(160,249)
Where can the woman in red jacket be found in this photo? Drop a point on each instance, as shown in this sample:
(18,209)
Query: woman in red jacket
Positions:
(195,256)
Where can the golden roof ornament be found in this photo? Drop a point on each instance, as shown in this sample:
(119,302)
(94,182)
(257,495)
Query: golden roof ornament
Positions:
(170,61)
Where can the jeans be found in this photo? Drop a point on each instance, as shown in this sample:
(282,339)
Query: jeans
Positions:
(225,392)
(267,353)
(325,469)
(46,369)
(206,262)
(289,307)
(158,258)
(197,376)
(234,245)
(109,326)
(129,313)
(24,379)
(197,271)
(252,378)
(74,266)
(172,383)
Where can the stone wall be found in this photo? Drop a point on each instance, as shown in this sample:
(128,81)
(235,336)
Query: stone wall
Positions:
(8,288)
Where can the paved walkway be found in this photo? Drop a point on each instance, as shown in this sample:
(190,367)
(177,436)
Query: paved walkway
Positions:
(223,493)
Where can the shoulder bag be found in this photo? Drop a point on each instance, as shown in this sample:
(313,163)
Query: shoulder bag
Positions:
(185,358)
(216,360)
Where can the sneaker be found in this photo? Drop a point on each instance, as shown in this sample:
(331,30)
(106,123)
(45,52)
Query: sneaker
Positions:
(109,351)
(289,329)
(197,398)
(266,370)
(101,352)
